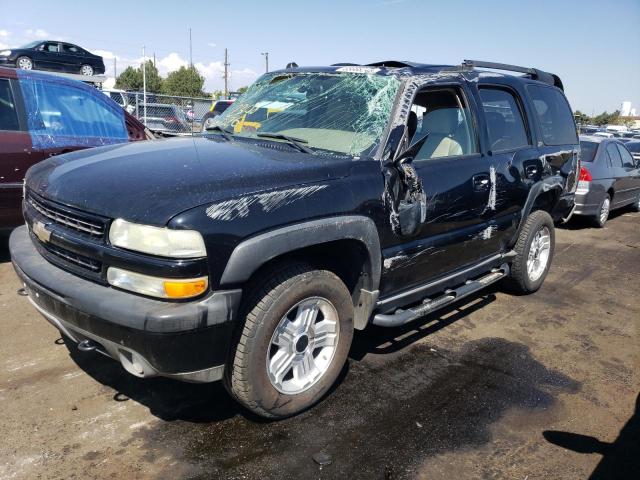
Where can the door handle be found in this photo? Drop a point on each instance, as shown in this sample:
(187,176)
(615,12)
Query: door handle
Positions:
(481,182)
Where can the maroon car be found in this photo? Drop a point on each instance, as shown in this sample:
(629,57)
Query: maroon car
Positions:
(42,115)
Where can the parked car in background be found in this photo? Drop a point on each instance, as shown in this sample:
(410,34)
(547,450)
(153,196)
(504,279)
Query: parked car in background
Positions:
(122,98)
(163,118)
(634,148)
(42,115)
(54,56)
(217,108)
(609,179)
(375,195)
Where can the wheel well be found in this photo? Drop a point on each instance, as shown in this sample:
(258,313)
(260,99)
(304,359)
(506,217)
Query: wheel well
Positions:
(545,201)
(348,259)
(610,192)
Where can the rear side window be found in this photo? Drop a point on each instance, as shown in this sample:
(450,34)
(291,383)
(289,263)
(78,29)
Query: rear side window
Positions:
(66,48)
(634,147)
(588,151)
(614,155)
(8,115)
(504,119)
(627,159)
(554,115)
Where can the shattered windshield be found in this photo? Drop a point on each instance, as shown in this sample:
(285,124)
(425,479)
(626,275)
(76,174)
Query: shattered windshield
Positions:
(342,113)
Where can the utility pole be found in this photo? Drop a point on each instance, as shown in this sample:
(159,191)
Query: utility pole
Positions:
(226,74)
(144,85)
(115,68)
(266,61)
(154,59)
(190,50)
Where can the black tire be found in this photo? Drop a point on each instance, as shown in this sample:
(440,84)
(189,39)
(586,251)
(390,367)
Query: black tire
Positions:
(88,68)
(601,218)
(24,57)
(519,280)
(636,205)
(207,116)
(246,376)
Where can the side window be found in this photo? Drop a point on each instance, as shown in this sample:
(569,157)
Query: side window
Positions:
(8,115)
(614,155)
(66,48)
(51,47)
(442,119)
(627,159)
(504,120)
(554,115)
(58,109)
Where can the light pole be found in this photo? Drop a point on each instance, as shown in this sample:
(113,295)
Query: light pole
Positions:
(266,61)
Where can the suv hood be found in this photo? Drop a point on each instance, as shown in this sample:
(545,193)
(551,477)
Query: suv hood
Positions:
(150,182)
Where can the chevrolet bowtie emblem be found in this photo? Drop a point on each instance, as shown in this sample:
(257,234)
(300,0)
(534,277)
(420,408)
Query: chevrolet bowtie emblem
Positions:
(40,231)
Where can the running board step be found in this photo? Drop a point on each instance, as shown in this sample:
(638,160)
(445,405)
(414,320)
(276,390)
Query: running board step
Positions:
(400,317)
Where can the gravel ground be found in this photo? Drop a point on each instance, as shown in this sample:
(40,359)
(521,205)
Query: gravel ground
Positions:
(536,387)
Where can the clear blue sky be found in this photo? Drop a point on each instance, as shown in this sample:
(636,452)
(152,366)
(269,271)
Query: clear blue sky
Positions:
(593,45)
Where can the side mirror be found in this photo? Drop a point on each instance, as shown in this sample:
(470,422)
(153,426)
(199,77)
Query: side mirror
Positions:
(410,152)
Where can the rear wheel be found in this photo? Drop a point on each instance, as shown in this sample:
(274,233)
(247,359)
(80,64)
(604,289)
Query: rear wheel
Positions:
(636,206)
(534,252)
(86,70)
(603,212)
(294,342)
(24,63)
(207,120)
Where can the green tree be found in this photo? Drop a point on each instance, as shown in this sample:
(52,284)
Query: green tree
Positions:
(131,78)
(243,89)
(186,81)
(606,118)
(581,118)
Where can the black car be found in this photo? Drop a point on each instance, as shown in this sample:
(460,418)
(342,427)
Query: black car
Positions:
(370,194)
(53,56)
(609,178)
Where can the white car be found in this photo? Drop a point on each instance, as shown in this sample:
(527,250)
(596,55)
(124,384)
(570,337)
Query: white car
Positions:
(121,98)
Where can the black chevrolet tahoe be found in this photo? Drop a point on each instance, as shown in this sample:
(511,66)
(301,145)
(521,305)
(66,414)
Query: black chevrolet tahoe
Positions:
(323,200)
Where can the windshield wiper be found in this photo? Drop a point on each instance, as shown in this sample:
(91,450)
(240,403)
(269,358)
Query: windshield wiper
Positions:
(293,141)
(224,132)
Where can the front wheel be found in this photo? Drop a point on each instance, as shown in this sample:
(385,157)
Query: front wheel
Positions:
(534,252)
(24,63)
(294,342)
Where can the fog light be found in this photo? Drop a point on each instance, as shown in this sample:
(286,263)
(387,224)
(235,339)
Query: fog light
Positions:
(156,287)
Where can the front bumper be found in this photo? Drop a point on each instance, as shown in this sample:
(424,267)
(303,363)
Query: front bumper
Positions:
(188,341)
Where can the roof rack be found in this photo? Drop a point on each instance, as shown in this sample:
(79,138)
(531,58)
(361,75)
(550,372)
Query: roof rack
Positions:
(532,73)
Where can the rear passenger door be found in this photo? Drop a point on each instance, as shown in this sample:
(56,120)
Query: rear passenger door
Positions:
(630,182)
(514,161)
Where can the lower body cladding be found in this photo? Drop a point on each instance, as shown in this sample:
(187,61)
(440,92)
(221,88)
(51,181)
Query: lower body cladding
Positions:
(187,341)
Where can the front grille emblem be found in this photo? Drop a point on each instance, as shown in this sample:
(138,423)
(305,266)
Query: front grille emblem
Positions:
(40,231)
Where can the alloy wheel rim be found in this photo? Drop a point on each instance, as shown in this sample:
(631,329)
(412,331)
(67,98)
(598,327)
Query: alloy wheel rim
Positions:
(25,64)
(87,70)
(604,212)
(539,252)
(303,345)
(208,122)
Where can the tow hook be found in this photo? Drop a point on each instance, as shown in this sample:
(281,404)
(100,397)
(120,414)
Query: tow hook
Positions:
(22,292)
(87,346)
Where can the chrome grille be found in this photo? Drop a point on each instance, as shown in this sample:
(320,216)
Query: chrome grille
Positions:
(93,228)
(74,258)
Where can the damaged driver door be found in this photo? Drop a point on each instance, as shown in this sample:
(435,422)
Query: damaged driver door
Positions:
(438,190)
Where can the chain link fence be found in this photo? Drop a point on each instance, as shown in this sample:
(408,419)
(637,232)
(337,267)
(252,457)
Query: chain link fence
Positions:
(165,114)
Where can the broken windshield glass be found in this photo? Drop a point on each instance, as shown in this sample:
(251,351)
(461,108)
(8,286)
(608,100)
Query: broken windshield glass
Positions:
(345,113)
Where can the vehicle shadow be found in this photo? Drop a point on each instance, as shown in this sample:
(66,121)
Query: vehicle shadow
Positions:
(204,403)
(4,248)
(620,459)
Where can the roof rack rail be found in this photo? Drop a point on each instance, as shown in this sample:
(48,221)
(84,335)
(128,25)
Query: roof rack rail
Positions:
(533,73)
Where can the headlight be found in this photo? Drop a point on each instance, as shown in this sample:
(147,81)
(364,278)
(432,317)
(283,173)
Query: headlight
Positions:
(5,53)
(164,242)
(154,286)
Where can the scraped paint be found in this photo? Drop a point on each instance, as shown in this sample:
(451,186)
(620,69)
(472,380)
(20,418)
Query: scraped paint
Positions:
(268,201)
